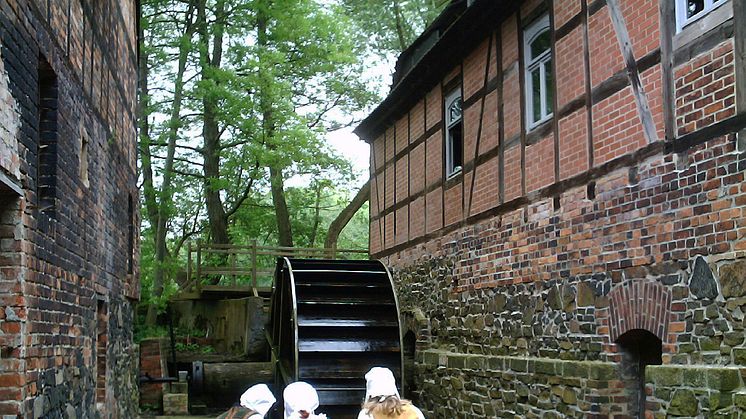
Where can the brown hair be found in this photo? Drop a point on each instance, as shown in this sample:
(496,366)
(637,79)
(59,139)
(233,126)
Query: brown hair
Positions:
(391,406)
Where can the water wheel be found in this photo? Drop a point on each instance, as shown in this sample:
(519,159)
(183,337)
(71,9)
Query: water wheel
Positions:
(331,321)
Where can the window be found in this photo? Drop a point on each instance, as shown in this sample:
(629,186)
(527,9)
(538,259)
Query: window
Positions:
(454,133)
(687,11)
(46,169)
(539,78)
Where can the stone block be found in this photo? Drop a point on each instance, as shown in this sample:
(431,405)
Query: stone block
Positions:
(733,279)
(724,379)
(178,388)
(739,356)
(739,400)
(575,369)
(599,371)
(702,283)
(545,366)
(176,404)
(683,403)
(694,377)
(664,375)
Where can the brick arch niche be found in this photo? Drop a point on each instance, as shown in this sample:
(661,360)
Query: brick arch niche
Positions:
(639,313)
(642,305)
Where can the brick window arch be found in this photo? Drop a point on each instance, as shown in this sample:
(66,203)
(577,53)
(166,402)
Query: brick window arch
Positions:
(642,305)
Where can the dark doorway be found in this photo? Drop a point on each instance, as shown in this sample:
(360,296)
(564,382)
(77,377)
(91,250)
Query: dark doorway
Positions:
(638,348)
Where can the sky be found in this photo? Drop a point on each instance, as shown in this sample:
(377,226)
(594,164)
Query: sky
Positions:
(344,141)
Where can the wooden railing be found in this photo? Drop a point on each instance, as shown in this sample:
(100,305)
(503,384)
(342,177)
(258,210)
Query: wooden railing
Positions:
(247,265)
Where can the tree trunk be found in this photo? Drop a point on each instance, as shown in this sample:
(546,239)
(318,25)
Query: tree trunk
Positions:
(284,230)
(344,217)
(282,215)
(143,103)
(400,26)
(166,195)
(316,217)
(216,215)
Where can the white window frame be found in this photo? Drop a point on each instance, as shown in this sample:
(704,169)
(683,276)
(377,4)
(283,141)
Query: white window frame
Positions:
(530,34)
(451,168)
(681,5)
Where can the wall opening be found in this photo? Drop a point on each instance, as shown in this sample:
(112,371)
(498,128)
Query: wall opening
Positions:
(102,340)
(46,165)
(639,348)
(83,162)
(409,345)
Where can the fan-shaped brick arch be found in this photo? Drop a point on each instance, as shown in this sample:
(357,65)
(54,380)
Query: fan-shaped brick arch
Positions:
(639,305)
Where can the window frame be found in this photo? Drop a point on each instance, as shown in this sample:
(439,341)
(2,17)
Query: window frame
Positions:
(530,33)
(452,169)
(682,21)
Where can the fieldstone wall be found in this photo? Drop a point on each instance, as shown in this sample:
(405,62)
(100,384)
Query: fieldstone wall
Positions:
(511,309)
(68,262)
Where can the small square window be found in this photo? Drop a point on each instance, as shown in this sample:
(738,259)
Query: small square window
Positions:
(454,133)
(688,11)
(539,77)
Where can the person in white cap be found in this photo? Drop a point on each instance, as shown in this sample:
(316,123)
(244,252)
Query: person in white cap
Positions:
(258,399)
(301,401)
(382,399)
(254,404)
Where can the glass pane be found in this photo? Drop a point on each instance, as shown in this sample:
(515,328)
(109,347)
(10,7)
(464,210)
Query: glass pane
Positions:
(456,146)
(454,111)
(693,7)
(549,87)
(541,43)
(536,94)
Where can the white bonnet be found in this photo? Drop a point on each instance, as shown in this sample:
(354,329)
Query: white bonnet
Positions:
(258,398)
(299,396)
(380,381)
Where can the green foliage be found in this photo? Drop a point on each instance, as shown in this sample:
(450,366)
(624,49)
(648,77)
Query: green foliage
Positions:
(194,347)
(390,26)
(280,75)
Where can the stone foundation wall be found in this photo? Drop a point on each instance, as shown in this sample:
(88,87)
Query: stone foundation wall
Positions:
(660,247)
(467,385)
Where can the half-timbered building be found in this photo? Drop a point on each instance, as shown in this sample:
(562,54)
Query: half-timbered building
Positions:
(558,187)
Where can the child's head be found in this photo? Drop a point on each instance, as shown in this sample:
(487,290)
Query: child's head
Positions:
(301,400)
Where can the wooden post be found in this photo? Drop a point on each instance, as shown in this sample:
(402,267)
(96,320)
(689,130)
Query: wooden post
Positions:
(233,267)
(198,280)
(253,268)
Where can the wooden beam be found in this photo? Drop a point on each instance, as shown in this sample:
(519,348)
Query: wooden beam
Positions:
(739,18)
(625,43)
(668,29)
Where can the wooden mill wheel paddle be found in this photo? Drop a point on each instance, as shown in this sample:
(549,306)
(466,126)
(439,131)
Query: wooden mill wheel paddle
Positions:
(331,321)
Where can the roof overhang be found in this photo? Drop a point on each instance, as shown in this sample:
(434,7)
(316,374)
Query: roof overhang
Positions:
(456,42)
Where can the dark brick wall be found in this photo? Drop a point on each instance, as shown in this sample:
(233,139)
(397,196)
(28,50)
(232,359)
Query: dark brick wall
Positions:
(66,296)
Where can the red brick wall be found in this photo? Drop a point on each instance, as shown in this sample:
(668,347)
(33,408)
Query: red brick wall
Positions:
(152,363)
(705,89)
(598,114)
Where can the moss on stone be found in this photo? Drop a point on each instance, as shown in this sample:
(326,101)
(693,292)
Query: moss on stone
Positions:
(724,379)
(664,375)
(683,403)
